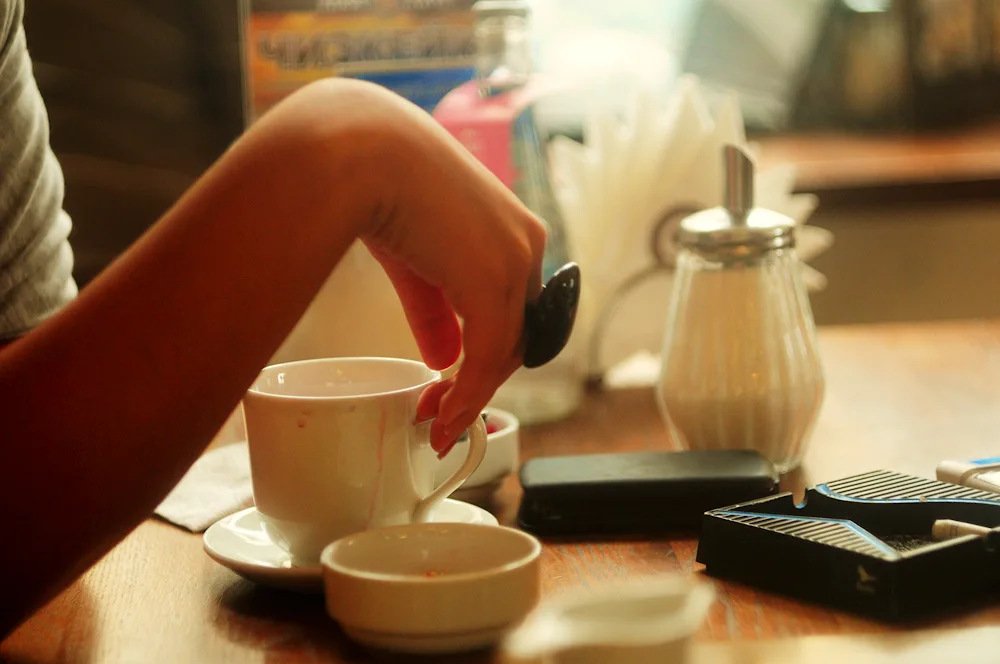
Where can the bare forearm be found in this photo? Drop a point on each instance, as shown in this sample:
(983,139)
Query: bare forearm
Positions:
(105,405)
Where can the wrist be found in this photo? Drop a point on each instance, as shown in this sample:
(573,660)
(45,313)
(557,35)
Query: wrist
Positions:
(347,133)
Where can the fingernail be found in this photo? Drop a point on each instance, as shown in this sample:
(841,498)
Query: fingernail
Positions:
(429,403)
(443,453)
(440,440)
(450,423)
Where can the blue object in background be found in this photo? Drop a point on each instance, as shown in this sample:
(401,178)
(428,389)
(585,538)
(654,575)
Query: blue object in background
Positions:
(426,87)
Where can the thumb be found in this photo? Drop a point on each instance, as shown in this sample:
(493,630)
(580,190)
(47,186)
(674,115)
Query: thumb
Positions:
(430,316)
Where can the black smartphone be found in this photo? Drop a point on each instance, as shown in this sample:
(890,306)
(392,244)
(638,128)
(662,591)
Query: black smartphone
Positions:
(637,493)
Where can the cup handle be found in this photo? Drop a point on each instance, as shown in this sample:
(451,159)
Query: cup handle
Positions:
(477,451)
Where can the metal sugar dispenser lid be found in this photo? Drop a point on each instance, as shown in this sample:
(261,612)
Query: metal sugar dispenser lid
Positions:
(736,231)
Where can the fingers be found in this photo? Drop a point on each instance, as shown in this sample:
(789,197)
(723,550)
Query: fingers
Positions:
(428,313)
(429,402)
(494,323)
(428,407)
(492,353)
(534,281)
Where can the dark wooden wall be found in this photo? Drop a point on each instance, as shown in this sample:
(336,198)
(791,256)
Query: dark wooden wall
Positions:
(142,96)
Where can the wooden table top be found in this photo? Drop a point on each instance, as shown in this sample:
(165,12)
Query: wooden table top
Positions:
(900,397)
(836,160)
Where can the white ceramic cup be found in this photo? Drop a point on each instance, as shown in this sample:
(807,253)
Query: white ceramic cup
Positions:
(334,450)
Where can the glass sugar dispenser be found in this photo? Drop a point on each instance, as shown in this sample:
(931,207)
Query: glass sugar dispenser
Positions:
(740,363)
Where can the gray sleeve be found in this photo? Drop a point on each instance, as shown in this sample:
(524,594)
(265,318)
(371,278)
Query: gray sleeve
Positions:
(36,261)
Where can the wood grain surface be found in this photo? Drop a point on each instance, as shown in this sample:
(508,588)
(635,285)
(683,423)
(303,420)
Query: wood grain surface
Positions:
(832,160)
(899,397)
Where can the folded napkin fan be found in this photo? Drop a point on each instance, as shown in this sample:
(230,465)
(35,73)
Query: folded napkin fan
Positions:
(217,485)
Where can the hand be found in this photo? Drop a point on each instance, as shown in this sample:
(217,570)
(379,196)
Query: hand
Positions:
(456,243)
(208,293)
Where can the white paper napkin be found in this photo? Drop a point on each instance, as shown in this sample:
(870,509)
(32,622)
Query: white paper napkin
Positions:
(217,485)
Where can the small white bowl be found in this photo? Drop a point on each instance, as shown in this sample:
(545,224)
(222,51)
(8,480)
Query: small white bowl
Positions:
(431,588)
(502,458)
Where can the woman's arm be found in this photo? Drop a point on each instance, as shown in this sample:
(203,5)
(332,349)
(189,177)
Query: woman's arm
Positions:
(105,405)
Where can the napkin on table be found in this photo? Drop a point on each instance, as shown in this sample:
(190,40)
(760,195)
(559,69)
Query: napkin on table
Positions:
(217,485)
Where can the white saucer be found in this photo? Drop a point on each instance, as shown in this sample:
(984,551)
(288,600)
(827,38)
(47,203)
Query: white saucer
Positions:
(239,543)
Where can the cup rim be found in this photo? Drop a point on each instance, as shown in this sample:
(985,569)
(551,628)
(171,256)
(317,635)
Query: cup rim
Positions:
(435,376)
(511,426)
(510,421)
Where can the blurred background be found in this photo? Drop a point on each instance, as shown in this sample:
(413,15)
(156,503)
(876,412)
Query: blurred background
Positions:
(889,109)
